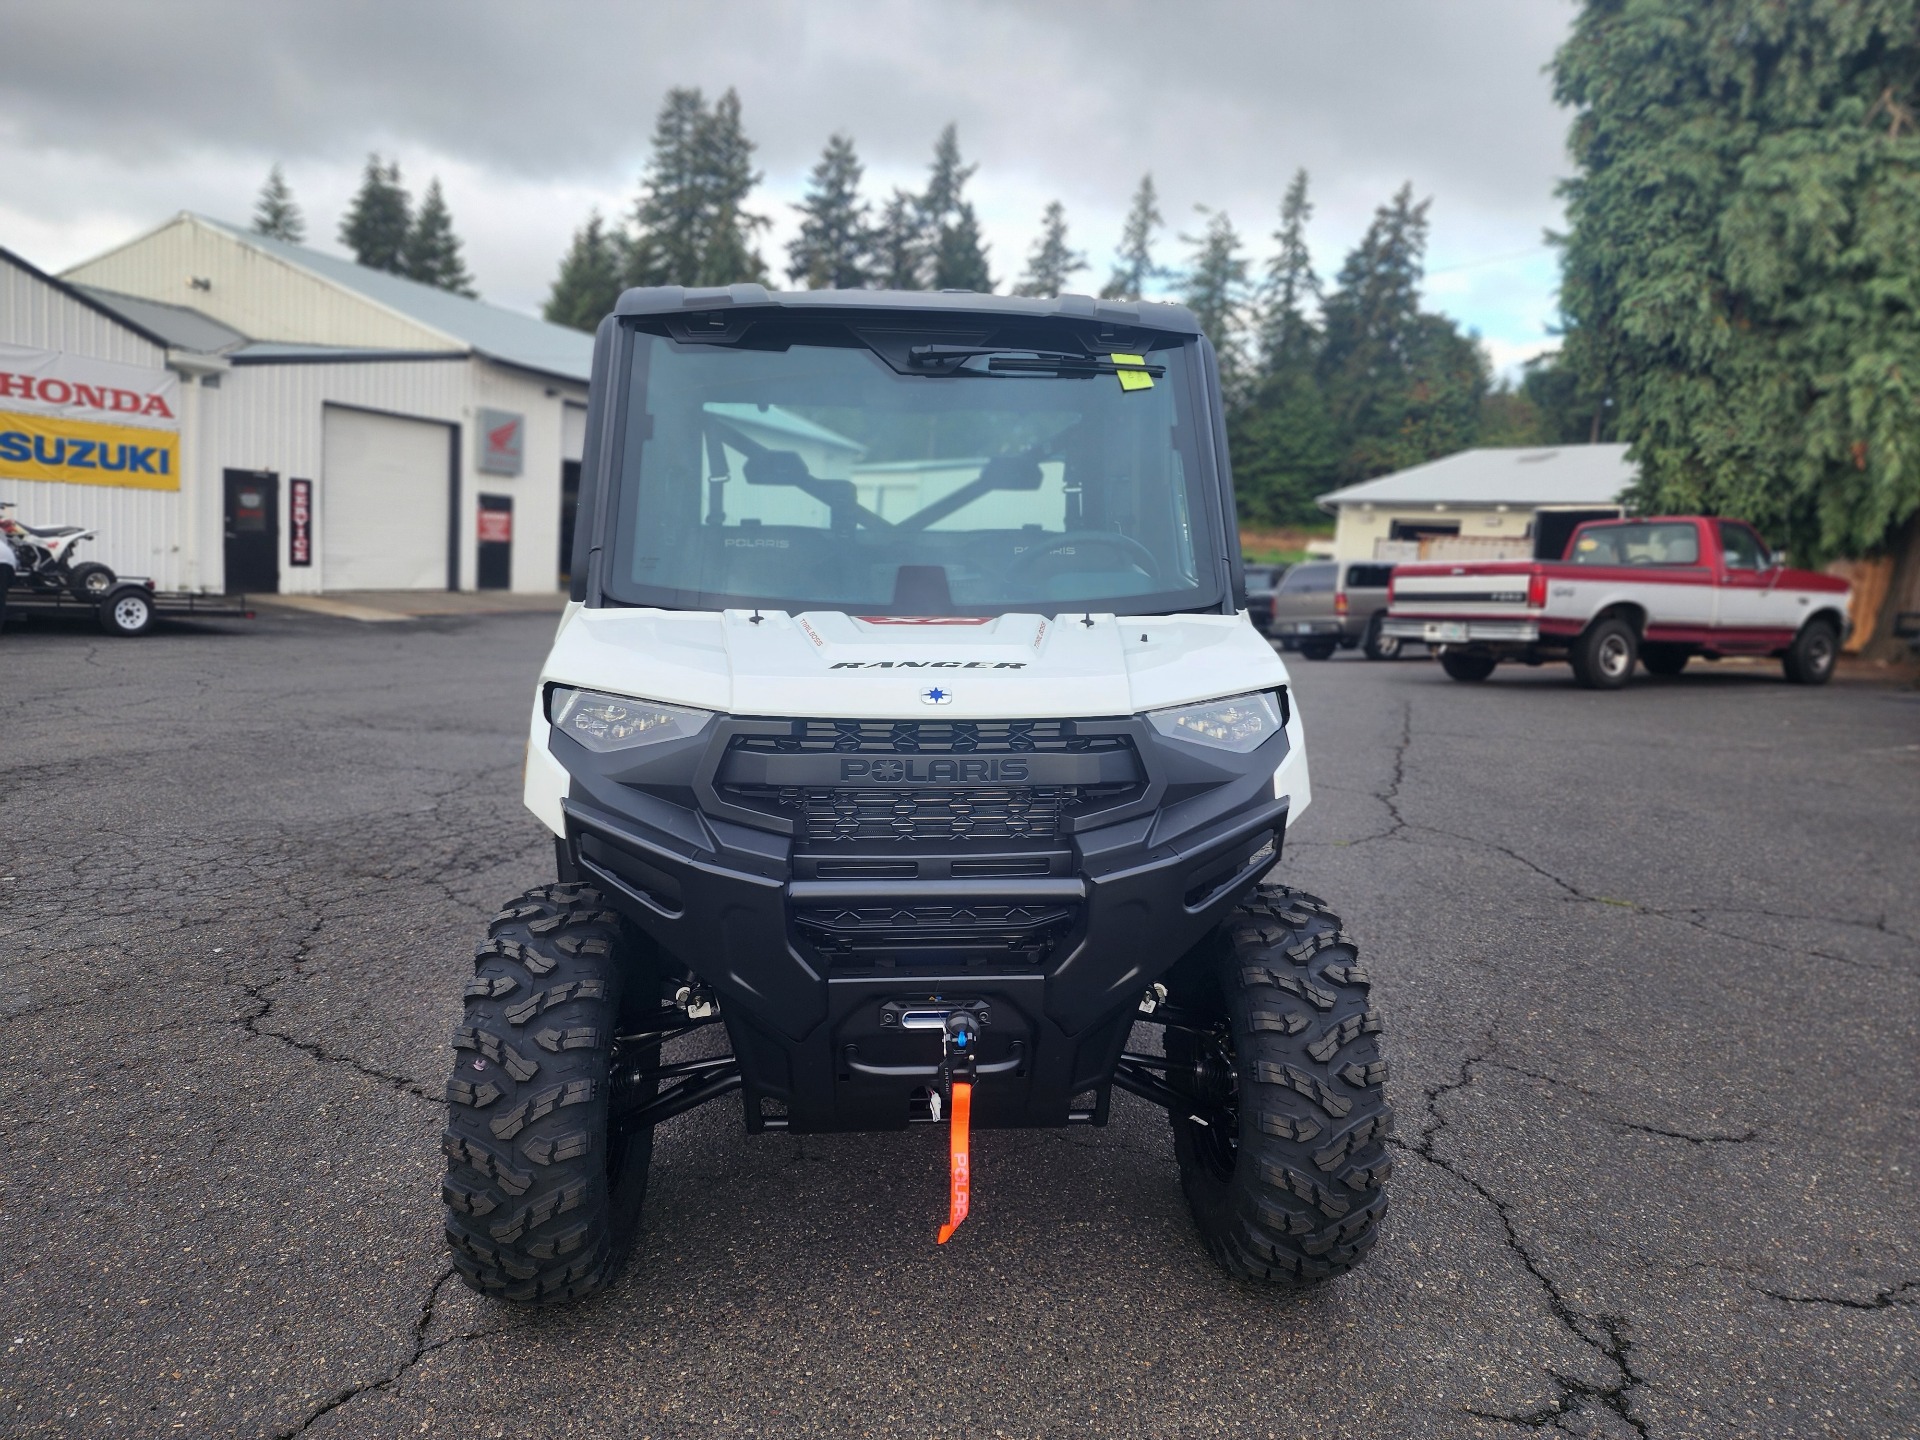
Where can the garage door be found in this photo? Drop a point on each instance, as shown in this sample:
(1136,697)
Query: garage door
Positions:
(383,502)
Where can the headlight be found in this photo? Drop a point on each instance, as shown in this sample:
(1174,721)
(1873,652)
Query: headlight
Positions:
(1238,724)
(614,722)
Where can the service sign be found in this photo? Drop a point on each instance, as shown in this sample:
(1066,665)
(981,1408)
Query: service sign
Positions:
(87,422)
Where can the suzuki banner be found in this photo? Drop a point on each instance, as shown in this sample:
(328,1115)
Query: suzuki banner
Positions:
(87,422)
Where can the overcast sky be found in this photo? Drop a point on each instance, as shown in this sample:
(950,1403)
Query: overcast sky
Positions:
(115,116)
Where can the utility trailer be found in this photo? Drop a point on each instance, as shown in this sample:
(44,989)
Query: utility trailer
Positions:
(130,607)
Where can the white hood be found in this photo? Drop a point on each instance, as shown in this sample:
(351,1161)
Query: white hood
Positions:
(838,666)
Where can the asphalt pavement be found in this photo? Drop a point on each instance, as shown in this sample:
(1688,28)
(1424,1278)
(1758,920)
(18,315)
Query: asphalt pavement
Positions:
(1649,961)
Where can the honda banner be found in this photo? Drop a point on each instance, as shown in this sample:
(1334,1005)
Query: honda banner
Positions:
(87,422)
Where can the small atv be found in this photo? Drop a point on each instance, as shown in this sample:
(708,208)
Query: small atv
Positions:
(908,723)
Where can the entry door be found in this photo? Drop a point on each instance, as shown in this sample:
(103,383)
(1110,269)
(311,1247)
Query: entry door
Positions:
(495,542)
(253,532)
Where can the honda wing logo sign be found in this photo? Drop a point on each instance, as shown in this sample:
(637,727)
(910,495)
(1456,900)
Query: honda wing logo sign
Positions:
(503,437)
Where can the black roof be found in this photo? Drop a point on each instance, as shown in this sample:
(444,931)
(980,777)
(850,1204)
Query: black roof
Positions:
(1135,314)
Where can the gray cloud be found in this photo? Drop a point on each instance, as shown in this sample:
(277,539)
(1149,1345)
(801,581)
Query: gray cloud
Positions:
(114,115)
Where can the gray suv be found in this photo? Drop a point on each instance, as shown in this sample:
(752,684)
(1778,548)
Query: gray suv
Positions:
(1327,605)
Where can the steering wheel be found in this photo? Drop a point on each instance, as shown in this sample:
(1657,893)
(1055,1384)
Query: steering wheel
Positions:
(1132,549)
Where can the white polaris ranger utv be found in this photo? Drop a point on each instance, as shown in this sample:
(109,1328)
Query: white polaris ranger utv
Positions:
(907,723)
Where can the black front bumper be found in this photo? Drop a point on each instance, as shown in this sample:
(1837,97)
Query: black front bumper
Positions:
(817,936)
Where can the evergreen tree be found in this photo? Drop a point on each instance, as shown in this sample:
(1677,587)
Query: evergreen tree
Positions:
(1133,267)
(1740,264)
(431,254)
(1215,289)
(1282,440)
(727,156)
(590,278)
(1570,410)
(1288,339)
(959,260)
(690,227)
(275,215)
(379,219)
(1052,262)
(834,250)
(900,245)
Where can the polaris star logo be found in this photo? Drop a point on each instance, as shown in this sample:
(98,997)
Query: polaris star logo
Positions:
(936,695)
(970,771)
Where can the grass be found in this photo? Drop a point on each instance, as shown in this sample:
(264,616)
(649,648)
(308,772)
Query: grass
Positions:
(1284,545)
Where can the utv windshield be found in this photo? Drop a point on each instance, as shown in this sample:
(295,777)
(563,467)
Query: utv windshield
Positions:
(799,469)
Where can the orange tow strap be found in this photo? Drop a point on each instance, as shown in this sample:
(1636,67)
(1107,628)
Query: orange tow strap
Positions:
(960,1177)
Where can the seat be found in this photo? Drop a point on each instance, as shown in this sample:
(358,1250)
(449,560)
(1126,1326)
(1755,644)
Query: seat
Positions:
(51,532)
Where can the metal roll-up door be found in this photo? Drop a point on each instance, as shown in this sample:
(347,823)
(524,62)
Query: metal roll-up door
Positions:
(384,501)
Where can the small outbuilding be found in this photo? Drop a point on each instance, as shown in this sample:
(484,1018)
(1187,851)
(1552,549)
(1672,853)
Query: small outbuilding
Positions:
(1488,504)
(336,427)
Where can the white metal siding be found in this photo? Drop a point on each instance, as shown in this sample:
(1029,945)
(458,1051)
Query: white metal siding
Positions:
(383,502)
(258,294)
(142,532)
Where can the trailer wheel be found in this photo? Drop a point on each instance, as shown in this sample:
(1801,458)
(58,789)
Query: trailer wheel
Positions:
(1378,646)
(1810,659)
(544,1187)
(1604,655)
(1282,1155)
(129,613)
(1460,665)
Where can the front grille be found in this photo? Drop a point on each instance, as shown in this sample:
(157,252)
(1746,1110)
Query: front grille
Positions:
(930,737)
(902,934)
(837,816)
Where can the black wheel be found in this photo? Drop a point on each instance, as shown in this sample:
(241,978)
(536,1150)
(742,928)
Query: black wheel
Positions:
(1462,666)
(1377,646)
(1810,659)
(542,1192)
(1282,1155)
(1604,655)
(128,613)
(1665,659)
(1318,649)
(90,581)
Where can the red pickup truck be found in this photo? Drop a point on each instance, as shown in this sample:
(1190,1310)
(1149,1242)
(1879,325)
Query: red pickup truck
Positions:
(1657,591)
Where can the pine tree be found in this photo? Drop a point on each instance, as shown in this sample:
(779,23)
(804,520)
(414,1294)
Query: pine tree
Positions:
(834,250)
(1215,289)
(1282,440)
(275,215)
(690,227)
(1288,338)
(727,156)
(952,232)
(431,254)
(590,278)
(900,245)
(1740,268)
(960,260)
(378,220)
(1053,262)
(1133,268)
(1401,386)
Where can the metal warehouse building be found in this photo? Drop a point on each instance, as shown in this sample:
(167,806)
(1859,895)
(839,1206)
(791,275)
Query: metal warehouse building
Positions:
(337,428)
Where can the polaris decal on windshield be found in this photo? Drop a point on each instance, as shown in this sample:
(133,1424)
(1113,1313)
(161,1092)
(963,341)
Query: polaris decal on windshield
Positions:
(928,665)
(925,619)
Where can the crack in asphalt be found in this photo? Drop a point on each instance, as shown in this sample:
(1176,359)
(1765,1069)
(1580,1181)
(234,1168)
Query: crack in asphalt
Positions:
(420,1350)
(1905,1294)
(256,991)
(1620,1121)
(1610,1342)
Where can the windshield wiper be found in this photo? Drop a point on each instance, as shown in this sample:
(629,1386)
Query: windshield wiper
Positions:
(953,360)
